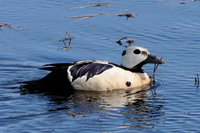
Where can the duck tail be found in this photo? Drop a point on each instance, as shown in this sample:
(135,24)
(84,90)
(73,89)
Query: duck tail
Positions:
(54,82)
(31,85)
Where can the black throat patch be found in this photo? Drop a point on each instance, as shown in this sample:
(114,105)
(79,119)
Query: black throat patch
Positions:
(88,69)
(134,69)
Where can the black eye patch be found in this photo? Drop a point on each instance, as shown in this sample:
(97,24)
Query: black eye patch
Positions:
(137,51)
(124,52)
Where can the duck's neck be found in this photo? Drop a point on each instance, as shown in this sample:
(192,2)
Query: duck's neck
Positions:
(137,68)
(134,69)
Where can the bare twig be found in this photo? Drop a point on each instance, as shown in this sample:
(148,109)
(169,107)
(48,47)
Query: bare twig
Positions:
(6,25)
(64,39)
(129,41)
(154,71)
(127,15)
(9,26)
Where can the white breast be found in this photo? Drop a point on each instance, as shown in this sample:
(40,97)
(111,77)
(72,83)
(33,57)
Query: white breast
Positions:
(112,79)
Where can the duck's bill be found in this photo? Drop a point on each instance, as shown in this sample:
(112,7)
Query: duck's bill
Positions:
(154,59)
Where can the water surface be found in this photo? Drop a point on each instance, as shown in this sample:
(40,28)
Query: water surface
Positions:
(167,28)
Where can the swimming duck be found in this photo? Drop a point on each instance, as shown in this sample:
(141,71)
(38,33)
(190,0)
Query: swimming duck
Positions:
(98,75)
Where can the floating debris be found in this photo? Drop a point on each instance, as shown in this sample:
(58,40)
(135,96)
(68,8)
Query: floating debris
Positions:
(9,26)
(127,15)
(129,41)
(65,39)
(93,5)
(154,71)
(197,80)
(6,25)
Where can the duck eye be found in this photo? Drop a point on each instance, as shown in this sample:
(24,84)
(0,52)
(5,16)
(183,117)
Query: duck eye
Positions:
(124,52)
(137,51)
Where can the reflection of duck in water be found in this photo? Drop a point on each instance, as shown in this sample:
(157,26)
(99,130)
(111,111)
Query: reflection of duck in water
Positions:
(109,99)
(134,104)
(96,75)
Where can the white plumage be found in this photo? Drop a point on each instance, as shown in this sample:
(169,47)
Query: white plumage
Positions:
(112,79)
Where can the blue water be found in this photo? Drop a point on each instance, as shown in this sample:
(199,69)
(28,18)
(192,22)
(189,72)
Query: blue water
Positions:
(167,29)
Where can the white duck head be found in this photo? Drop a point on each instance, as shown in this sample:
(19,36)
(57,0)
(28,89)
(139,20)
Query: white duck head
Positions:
(134,57)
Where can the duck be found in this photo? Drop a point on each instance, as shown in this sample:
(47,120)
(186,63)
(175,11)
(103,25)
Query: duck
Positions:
(99,75)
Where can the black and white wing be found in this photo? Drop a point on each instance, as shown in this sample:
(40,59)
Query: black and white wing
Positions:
(88,69)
